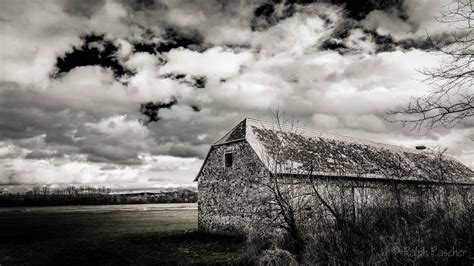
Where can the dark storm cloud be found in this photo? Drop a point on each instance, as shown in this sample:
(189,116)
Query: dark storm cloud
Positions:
(196,108)
(270,13)
(198,82)
(171,39)
(140,5)
(151,109)
(385,43)
(336,42)
(95,51)
(358,9)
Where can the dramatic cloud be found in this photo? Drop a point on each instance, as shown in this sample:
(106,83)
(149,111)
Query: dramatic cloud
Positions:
(95,50)
(131,94)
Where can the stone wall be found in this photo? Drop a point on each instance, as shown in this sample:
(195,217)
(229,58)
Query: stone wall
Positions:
(230,196)
(227,195)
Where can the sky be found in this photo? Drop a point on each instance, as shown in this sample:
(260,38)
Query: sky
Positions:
(131,94)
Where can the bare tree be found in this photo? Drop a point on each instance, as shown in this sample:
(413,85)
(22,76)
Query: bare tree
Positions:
(285,205)
(296,198)
(451,99)
(339,219)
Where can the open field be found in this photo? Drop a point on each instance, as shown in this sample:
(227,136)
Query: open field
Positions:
(110,235)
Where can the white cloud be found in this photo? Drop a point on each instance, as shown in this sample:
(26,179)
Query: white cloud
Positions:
(252,91)
(215,63)
(76,170)
(121,128)
(387,24)
(298,33)
(361,42)
(28,56)
(419,20)
(421,14)
(148,85)
(35,33)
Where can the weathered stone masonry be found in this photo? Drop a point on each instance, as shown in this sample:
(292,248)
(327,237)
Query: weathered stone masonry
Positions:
(227,194)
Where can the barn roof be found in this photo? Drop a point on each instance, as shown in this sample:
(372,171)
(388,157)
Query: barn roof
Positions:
(302,150)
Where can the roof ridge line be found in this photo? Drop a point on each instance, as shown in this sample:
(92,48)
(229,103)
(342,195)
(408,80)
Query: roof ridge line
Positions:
(335,134)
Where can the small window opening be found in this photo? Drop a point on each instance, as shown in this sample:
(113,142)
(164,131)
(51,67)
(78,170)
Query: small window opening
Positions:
(228,159)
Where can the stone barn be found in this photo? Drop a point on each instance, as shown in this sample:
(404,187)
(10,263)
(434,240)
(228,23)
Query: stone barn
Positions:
(230,177)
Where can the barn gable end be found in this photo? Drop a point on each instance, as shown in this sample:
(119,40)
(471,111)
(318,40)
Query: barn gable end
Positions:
(227,193)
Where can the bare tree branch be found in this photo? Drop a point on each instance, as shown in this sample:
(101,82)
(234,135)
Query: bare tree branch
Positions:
(451,99)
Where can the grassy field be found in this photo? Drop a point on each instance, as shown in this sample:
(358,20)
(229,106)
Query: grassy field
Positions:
(134,235)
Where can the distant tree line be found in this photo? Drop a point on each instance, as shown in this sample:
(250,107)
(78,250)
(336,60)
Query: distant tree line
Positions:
(87,195)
